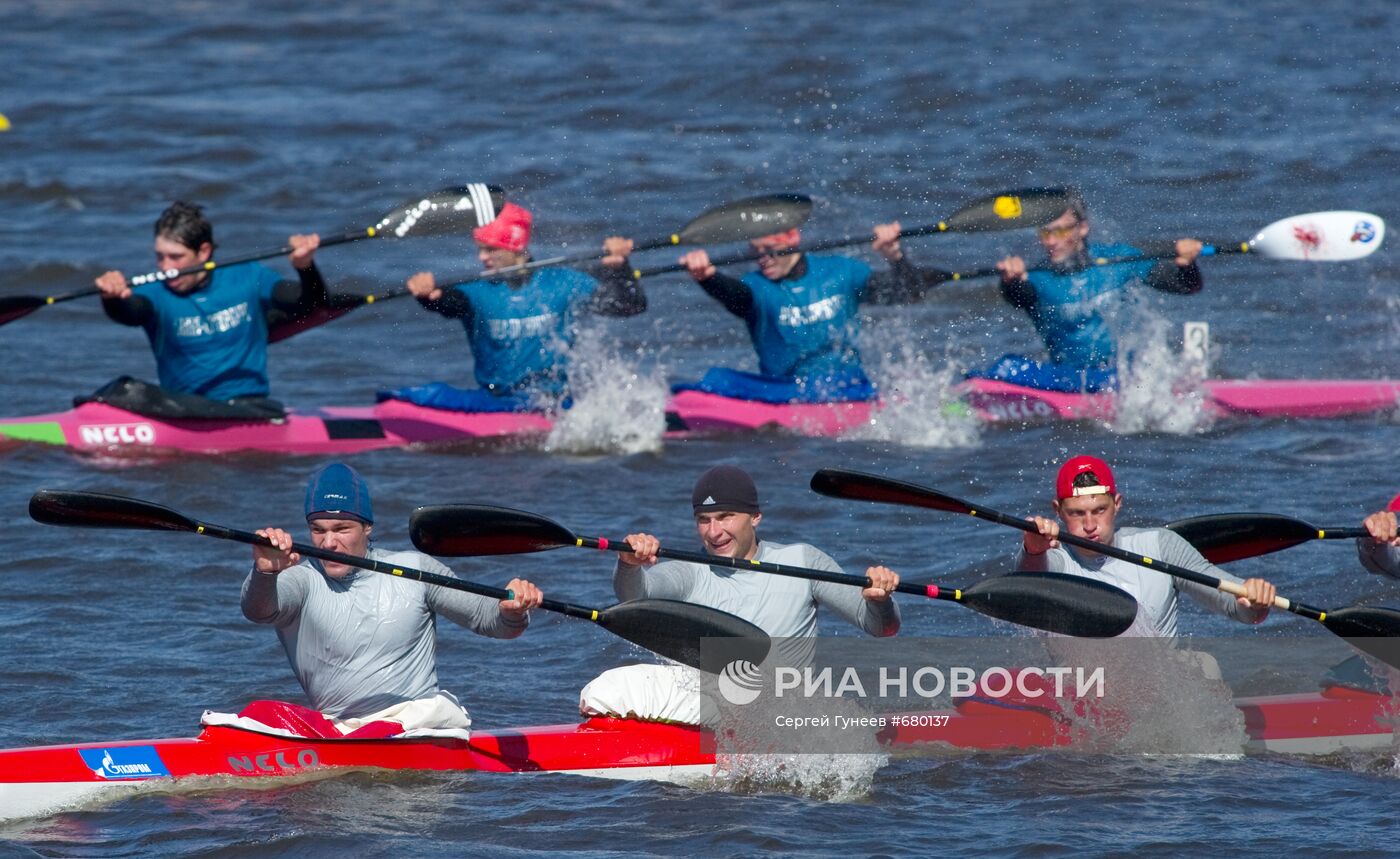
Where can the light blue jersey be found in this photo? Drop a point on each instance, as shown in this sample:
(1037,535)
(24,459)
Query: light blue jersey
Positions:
(213,341)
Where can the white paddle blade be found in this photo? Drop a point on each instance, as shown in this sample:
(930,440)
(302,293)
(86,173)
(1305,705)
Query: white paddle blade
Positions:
(1321,237)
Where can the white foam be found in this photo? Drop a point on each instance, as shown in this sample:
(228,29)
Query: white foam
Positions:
(618,407)
(1159,389)
(918,407)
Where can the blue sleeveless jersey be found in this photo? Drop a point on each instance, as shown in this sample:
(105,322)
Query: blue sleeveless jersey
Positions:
(213,341)
(1068,312)
(808,326)
(521,336)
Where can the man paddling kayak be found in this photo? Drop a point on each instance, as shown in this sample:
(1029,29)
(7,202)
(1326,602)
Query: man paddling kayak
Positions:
(363,645)
(520,326)
(727,515)
(1067,303)
(1380,552)
(209,330)
(802,315)
(1087,501)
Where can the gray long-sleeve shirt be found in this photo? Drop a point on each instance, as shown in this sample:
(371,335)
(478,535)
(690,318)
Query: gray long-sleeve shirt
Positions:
(1156,592)
(367,641)
(783,607)
(1380,558)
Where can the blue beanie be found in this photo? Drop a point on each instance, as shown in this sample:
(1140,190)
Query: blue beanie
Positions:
(338,492)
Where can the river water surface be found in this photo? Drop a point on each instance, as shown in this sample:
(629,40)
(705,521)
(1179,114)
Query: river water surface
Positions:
(1200,118)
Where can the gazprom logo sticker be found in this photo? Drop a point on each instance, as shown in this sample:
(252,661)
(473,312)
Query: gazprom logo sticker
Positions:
(1364,232)
(740,682)
(125,762)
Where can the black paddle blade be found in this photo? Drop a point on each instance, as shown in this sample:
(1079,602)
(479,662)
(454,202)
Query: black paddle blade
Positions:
(335,307)
(749,218)
(840,483)
(446,212)
(465,530)
(1055,602)
(1225,537)
(1371,630)
(97,510)
(1012,210)
(675,630)
(18,306)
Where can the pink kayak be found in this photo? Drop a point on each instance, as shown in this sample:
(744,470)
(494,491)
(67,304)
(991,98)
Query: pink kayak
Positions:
(104,429)
(100,428)
(1002,402)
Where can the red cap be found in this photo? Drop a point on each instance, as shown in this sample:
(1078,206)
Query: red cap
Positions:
(1394,505)
(510,231)
(789,238)
(1064,483)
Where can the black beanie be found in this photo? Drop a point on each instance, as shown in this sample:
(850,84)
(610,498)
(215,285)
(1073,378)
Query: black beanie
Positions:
(725,487)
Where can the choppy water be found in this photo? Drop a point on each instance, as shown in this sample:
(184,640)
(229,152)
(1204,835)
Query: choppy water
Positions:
(1209,118)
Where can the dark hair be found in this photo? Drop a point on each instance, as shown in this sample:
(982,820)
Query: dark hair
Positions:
(1077,206)
(1086,478)
(186,224)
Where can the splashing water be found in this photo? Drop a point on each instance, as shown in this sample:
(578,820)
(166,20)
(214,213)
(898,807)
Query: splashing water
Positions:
(827,777)
(919,408)
(1159,389)
(618,407)
(1159,700)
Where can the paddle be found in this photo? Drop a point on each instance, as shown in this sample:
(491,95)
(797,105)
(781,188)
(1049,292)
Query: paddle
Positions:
(748,218)
(442,212)
(1225,537)
(1358,624)
(670,628)
(1065,604)
(1010,210)
(1315,237)
(738,221)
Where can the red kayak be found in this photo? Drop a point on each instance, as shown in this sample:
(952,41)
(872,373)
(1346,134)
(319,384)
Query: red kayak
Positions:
(37,781)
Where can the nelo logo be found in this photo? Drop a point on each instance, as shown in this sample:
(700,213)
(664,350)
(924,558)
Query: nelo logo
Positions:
(1018,410)
(274,762)
(114,434)
(740,682)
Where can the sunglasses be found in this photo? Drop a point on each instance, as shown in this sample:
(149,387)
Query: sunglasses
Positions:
(1057,232)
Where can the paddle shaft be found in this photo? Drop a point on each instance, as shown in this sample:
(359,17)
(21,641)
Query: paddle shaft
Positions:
(532,265)
(171,274)
(1233,588)
(621,546)
(403,572)
(1208,250)
(1342,533)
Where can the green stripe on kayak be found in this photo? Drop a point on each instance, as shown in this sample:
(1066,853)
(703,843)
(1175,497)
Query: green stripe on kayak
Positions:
(47,432)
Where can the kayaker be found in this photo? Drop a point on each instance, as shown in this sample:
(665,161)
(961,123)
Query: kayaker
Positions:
(802,312)
(520,326)
(209,330)
(727,515)
(1380,552)
(1088,502)
(363,644)
(1067,304)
